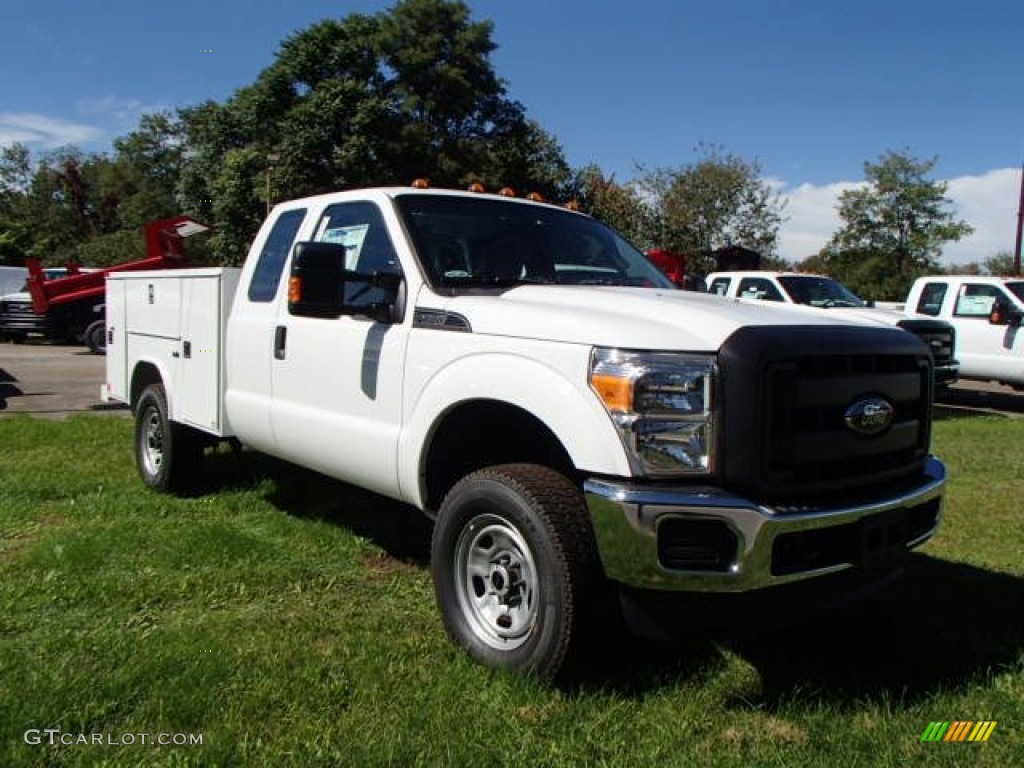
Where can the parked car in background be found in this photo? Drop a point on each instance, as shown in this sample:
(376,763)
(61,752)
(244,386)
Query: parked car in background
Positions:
(829,295)
(12,279)
(17,318)
(987,313)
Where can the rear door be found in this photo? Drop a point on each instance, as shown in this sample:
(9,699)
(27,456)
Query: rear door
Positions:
(250,344)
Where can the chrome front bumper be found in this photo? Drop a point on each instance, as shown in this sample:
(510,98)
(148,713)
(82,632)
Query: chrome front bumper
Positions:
(772,545)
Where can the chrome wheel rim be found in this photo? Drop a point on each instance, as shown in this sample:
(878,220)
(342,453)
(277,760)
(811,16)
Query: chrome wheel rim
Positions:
(496,582)
(152,441)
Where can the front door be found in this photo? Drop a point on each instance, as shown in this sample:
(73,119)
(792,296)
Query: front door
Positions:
(337,382)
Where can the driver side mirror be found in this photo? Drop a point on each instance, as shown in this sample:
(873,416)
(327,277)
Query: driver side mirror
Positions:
(1003,314)
(318,280)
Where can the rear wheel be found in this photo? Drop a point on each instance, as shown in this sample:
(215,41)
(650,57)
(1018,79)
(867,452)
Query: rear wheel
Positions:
(96,337)
(515,568)
(168,455)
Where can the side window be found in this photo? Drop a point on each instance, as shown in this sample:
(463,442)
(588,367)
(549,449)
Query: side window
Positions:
(267,274)
(930,301)
(368,249)
(758,288)
(719,286)
(976,300)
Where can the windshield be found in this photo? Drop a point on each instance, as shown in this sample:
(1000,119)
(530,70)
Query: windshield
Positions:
(468,242)
(819,291)
(1017,289)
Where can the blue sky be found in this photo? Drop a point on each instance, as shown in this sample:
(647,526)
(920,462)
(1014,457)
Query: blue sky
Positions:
(810,89)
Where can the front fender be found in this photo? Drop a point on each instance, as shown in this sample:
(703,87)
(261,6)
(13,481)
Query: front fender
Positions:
(557,394)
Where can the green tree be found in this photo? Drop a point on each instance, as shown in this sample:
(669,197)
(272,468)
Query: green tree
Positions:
(894,227)
(15,178)
(617,205)
(718,200)
(360,101)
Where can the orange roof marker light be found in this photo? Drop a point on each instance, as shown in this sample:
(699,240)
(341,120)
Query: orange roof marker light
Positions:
(421,183)
(507,192)
(476,187)
(573,205)
(537,197)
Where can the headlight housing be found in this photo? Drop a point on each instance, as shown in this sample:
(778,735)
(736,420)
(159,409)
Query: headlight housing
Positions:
(662,406)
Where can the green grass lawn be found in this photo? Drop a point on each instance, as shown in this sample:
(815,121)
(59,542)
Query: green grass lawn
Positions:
(290,620)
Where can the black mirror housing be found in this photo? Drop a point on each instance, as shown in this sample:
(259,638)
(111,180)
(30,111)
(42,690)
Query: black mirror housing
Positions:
(1003,314)
(316,285)
(318,279)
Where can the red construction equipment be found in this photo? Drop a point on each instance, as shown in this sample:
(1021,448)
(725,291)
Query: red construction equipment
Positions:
(74,303)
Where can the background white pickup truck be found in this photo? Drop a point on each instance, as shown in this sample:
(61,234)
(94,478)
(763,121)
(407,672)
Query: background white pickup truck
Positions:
(986,312)
(827,294)
(530,380)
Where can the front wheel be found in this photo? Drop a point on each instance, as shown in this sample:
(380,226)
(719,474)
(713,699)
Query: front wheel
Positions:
(515,568)
(168,455)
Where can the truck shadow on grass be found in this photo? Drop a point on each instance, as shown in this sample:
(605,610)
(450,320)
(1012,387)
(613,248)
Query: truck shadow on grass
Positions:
(939,626)
(957,403)
(935,625)
(402,531)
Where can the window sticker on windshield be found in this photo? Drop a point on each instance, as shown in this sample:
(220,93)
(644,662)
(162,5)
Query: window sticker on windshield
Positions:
(350,237)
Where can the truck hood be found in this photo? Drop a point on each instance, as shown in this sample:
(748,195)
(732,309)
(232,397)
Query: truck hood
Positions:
(870,315)
(632,318)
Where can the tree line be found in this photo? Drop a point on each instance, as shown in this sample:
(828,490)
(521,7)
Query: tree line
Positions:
(381,99)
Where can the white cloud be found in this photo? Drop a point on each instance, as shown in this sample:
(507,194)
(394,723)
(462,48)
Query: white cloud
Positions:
(987,202)
(810,218)
(104,119)
(50,132)
(122,111)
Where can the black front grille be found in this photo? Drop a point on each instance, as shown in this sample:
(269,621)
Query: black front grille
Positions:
(785,432)
(937,335)
(18,308)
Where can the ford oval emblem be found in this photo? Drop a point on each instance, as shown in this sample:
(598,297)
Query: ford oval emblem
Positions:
(869,416)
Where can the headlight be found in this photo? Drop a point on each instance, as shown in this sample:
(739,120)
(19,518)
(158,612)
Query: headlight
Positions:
(661,405)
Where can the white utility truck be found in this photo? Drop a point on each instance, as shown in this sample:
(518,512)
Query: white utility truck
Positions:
(827,294)
(987,314)
(528,379)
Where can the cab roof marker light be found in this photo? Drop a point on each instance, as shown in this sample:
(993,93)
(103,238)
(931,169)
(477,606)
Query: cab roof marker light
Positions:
(421,183)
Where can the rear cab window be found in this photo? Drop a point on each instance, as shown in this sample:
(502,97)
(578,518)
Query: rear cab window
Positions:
(719,286)
(266,276)
(930,301)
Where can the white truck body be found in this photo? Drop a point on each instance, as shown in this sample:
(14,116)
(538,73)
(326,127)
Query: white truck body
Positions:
(988,351)
(820,293)
(560,417)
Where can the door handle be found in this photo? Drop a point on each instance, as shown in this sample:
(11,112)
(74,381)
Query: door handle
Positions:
(280,340)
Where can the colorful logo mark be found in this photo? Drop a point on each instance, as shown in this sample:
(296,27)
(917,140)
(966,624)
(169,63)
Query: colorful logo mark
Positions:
(959,730)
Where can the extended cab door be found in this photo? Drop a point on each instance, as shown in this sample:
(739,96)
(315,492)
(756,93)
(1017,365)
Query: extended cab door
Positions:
(251,331)
(337,382)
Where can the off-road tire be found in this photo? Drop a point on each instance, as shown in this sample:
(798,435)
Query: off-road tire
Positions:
(515,569)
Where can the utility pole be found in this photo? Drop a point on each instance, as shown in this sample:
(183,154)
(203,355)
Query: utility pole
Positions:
(1020,225)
